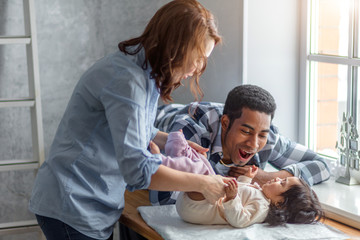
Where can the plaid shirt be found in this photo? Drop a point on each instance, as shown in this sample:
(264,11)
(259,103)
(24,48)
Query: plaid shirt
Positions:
(204,128)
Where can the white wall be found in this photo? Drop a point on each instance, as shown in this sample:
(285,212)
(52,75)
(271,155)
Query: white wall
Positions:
(273,56)
(270,37)
(273,45)
(224,67)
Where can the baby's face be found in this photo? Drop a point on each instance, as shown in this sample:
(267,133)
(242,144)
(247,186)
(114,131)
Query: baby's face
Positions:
(275,187)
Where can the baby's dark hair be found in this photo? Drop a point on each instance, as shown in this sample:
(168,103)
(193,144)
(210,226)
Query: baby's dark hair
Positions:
(300,205)
(248,96)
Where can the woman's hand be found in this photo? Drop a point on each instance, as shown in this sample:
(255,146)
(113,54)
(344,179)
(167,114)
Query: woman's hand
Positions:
(214,187)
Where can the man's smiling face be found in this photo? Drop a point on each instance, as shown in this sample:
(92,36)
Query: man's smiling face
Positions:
(247,135)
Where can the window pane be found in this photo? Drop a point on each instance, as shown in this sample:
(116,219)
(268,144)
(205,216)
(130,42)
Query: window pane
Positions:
(329,102)
(330,27)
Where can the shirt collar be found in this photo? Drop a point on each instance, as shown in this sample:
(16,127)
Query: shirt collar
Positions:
(216,146)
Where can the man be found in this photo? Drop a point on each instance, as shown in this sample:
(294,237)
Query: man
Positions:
(239,134)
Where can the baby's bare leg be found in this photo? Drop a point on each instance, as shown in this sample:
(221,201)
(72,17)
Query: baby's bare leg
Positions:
(196,196)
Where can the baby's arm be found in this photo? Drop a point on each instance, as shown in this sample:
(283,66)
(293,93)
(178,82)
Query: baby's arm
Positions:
(249,207)
(231,190)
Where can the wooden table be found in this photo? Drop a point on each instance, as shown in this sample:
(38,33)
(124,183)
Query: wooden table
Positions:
(132,219)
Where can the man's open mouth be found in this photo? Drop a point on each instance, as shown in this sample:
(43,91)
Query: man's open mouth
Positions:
(244,155)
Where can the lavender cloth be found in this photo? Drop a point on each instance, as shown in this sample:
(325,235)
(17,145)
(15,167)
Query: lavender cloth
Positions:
(182,157)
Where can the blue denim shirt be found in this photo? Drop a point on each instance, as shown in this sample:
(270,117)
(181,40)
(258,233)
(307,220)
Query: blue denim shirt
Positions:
(100,147)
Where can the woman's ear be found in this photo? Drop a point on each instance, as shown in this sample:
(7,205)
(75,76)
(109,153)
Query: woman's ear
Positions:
(225,122)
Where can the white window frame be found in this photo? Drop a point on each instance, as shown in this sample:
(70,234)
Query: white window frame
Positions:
(307,104)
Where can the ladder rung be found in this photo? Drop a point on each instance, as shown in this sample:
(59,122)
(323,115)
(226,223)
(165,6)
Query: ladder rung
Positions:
(20,102)
(26,223)
(16,161)
(8,165)
(19,230)
(15,40)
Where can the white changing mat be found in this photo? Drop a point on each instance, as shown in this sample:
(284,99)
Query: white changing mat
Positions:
(166,221)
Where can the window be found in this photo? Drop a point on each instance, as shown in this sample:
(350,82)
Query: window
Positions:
(332,61)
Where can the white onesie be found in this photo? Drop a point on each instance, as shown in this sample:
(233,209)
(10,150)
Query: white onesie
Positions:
(248,207)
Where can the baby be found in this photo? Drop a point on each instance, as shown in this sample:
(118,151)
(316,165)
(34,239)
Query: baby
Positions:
(277,202)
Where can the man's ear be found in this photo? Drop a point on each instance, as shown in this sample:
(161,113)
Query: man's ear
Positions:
(225,121)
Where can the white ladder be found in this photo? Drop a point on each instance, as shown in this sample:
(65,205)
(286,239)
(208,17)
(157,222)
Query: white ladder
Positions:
(33,101)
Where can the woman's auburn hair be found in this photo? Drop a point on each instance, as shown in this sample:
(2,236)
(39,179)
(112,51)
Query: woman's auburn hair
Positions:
(174,39)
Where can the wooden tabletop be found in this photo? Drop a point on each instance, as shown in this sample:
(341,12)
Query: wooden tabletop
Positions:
(132,218)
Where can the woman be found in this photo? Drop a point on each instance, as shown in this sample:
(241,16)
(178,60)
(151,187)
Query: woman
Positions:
(101,143)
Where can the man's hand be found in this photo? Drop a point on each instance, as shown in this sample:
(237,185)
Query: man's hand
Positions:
(252,171)
(198,148)
(160,139)
(261,176)
(238,171)
(231,190)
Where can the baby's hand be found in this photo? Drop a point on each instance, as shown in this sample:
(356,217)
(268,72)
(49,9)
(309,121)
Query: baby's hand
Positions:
(154,149)
(231,190)
(251,171)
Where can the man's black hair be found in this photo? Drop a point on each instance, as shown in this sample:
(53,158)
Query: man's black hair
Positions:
(248,96)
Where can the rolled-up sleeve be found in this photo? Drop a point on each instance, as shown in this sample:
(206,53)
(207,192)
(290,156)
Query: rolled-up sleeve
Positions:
(154,131)
(125,104)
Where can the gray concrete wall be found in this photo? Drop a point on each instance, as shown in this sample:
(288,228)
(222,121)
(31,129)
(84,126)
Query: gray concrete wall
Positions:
(72,35)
